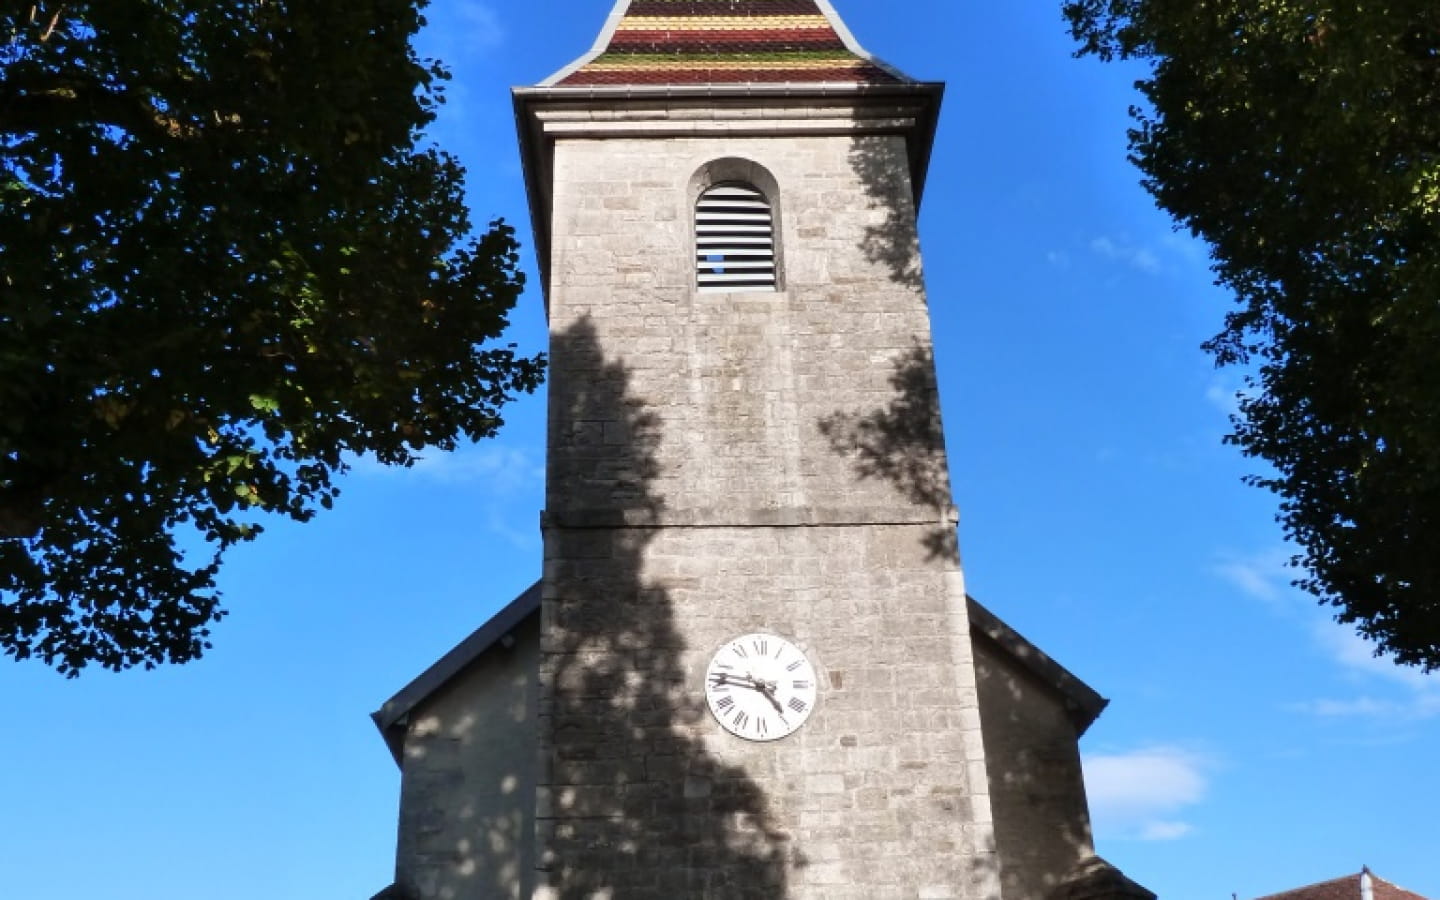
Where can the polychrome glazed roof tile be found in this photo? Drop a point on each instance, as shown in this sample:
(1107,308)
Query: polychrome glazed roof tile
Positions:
(682,42)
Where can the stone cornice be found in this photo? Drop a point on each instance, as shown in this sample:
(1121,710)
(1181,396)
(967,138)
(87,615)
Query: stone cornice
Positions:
(547,114)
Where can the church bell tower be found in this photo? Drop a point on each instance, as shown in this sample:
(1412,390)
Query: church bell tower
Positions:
(756,672)
(749,670)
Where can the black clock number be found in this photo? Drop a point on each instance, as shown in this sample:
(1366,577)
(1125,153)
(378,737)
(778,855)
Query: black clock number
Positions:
(798,705)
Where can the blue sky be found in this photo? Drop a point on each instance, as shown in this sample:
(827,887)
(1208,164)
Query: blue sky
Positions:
(1251,744)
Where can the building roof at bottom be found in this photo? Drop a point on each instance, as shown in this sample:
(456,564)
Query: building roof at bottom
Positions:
(1347,887)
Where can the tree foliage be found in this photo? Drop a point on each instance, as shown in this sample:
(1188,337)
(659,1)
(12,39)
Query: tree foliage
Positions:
(227,265)
(1301,139)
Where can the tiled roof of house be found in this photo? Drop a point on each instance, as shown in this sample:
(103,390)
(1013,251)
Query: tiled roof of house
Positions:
(1347,888)
(687,42)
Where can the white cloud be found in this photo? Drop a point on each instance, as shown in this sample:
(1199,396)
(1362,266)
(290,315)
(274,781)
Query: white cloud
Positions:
(1058,258)
(1424,705)
(1412,694)
(1191,249)
(1264,576)
(1222,399)
(1224,396)
(1165,831)
(1226,390)
(1140,794)
(1359,706)
(1133,255)
(1384,691)
(504,470)
(1357,655)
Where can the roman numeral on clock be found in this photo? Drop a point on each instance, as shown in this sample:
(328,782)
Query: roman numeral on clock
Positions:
(764,689)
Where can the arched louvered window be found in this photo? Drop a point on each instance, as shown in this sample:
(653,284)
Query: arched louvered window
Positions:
(734,239)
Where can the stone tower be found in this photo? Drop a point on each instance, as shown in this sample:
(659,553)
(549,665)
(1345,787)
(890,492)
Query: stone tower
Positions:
(750,668)
(744,439)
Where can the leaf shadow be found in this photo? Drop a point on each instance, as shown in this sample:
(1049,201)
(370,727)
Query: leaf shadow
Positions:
(627,786)
(902,442)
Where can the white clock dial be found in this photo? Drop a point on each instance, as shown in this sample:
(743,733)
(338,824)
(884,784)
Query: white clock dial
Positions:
(760,687)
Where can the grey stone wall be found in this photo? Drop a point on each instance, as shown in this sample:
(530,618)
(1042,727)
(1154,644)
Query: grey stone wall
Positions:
(741,382)
(467,792)
(1037,789)
(723,463)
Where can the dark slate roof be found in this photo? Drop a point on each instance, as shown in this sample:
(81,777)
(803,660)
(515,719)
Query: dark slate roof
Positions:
(1095,879)
(1080,700)
(688,42)
(1346,888)
(391,717)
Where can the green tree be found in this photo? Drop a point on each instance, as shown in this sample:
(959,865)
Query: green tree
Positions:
(1301,140)
(227,265)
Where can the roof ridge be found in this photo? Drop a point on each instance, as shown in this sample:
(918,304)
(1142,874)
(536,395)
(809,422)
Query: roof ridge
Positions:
(681,42)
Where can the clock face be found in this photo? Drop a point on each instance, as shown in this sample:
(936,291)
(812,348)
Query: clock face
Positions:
(760,687)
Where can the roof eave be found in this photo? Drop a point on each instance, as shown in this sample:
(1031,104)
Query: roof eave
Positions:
(392,716)
(1082,702)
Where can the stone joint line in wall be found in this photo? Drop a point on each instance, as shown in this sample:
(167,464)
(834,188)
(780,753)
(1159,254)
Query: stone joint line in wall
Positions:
(753,518)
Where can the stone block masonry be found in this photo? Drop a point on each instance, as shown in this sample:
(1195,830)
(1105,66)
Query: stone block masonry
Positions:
(696,493)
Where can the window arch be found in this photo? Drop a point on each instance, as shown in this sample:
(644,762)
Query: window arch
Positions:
(734,239)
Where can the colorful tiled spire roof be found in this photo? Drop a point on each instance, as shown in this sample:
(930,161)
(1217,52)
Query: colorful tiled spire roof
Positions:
(680,42)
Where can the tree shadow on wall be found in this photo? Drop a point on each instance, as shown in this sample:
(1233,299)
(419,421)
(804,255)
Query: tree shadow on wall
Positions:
(1030,730)
(632,804)
(890,237)
(902,442)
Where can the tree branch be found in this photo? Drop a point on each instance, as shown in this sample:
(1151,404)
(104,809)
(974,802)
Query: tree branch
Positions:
(31,108)
(54,20)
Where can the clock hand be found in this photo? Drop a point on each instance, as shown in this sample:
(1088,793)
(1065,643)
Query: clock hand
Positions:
(720,679)
(745,681)
(767,690)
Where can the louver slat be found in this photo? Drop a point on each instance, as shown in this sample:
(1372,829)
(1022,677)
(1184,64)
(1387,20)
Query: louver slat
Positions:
(734,240)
